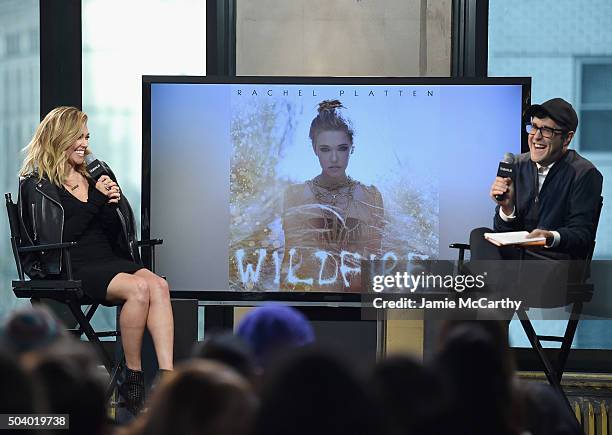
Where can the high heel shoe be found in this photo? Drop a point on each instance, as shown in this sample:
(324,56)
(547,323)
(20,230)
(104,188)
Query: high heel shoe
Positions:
(132,389)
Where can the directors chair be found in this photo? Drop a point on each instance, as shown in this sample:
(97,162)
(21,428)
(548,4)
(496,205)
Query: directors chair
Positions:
(68,292)
(577,293)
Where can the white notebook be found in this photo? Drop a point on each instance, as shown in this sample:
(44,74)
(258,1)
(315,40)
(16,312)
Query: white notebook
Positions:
(514,238)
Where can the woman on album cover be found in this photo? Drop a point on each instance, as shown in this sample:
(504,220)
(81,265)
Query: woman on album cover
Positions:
(332,213)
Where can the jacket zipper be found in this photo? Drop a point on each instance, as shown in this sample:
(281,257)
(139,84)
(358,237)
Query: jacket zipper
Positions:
(62,229)
(34,221)
(21,218)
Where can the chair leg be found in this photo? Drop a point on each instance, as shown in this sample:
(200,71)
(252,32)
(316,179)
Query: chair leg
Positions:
(549,369)
(568,338)
(112,384)
(91,335)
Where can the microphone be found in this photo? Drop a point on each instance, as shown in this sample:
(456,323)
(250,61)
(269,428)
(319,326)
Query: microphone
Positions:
(94,167)
(505,170)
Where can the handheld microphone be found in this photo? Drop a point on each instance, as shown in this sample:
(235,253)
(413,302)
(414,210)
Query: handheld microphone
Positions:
(94,167)
(505,170)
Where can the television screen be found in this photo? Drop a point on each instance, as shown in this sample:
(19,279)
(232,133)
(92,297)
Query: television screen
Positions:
(286,185)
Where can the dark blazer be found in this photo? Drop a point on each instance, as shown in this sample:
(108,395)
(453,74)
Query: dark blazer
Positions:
(41,217)
(567,202)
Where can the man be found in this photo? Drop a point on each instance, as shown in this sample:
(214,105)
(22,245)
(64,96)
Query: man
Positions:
(555,192)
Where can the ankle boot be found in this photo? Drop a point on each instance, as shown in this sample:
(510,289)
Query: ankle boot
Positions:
(161,374)
(133,390)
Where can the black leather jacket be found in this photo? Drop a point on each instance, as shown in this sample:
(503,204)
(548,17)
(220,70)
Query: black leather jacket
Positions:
(42,221)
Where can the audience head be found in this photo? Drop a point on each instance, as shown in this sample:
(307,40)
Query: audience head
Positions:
(314,393)
(63,369)
(199,397)
(545,411)
(410,397)
(31,329)
(495,330)
(273,328)
(230,350)
(70,380)
(17,394)
(477,370)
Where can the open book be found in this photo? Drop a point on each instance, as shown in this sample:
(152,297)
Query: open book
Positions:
(514,238)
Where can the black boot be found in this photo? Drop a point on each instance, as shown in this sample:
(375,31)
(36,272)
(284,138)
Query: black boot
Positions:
(161,374)
(132,389)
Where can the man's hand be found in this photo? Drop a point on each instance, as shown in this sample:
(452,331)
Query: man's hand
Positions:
(542,233)
(499,187)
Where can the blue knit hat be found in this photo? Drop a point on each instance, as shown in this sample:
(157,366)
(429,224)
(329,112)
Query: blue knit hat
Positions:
(274,326)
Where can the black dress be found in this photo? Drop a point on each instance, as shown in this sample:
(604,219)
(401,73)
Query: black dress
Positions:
(93,224)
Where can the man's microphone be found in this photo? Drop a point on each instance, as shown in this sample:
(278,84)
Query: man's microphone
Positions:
(95,168)
(505,170)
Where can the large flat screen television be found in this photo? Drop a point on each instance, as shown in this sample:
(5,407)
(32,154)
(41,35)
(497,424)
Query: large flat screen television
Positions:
(277,188)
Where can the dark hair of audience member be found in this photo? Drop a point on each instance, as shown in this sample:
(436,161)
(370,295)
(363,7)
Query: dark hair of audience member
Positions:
(31,329)
(17,393)
(312,392)
(69,378)
(478,371)
(230,350)
(410,397)
(545,412)
(199,398)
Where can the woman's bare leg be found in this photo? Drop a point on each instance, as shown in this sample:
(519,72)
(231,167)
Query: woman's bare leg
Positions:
(134,292)
(160,322)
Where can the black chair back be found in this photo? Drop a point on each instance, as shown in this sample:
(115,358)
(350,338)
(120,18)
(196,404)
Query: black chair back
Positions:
(597,216)
(586,272)
(13,218)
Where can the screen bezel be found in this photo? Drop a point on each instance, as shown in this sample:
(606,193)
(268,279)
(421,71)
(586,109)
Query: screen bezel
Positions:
(283,296)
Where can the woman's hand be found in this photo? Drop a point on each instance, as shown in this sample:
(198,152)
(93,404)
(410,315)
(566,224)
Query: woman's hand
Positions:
(109,188)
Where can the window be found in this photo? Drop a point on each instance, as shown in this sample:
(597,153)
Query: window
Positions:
(147,37)
(155,37)
(12,44)
(332,38)
(19,114)
(595,104)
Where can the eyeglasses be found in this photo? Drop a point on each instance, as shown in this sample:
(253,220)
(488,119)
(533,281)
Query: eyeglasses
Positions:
(546,132)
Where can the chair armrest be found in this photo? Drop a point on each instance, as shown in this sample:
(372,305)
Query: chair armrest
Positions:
(151,242)
(48,247)
(151,245)
(576,287)
(462,248)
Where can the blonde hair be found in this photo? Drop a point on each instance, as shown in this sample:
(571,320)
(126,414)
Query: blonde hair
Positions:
(46,153)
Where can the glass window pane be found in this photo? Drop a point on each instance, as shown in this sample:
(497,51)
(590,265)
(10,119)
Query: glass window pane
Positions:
(595,131)
(343,38)
(597,83)
(122,41)
(146,37)
(19,115)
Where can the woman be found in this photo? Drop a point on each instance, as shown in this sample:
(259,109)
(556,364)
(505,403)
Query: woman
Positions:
(332,213)
(59,202)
